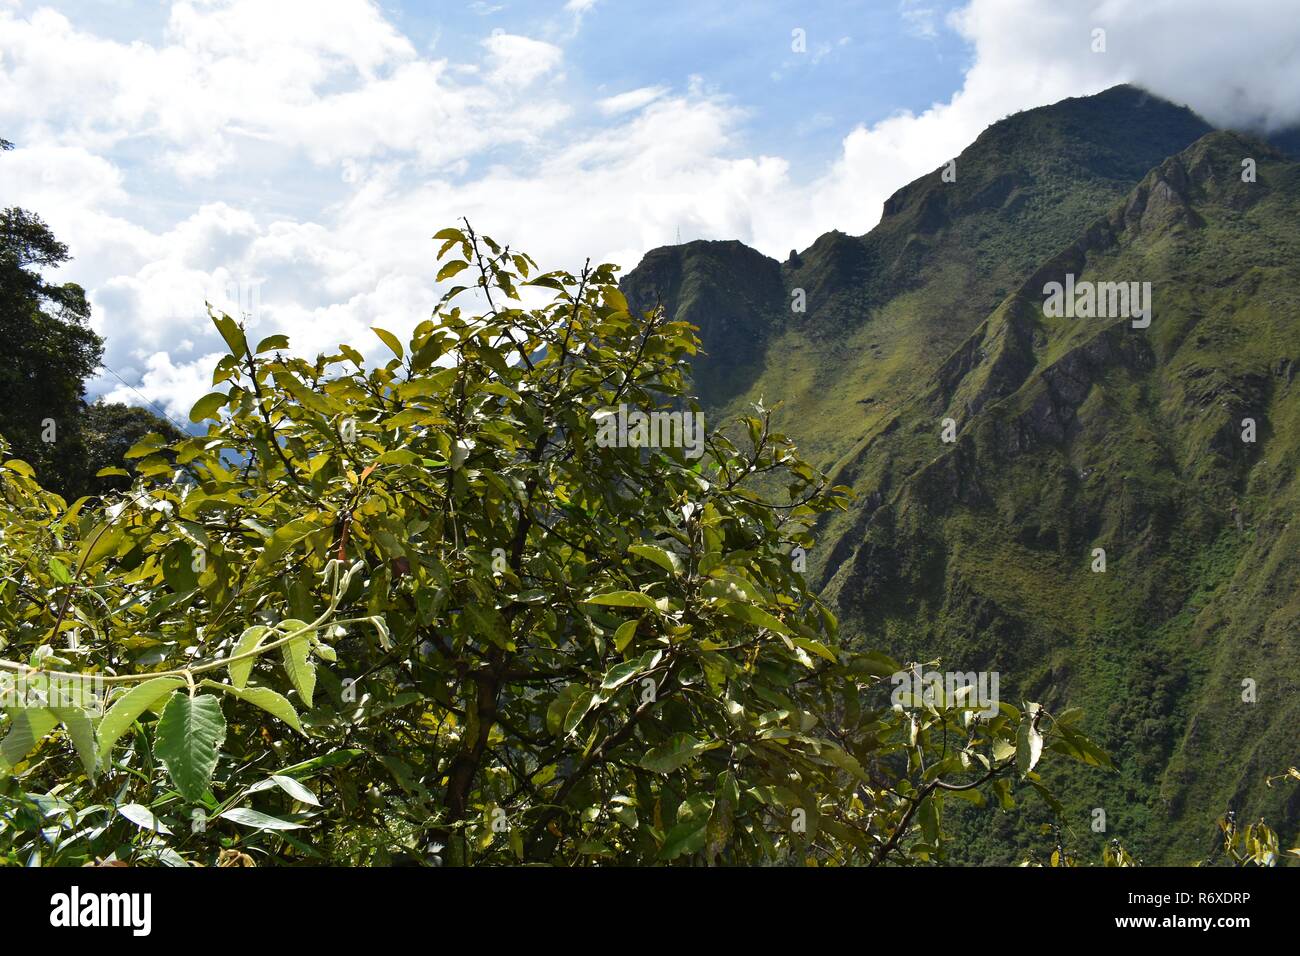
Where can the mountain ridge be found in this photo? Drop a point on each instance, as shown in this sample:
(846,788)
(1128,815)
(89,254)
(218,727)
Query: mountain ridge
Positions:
(1073,434)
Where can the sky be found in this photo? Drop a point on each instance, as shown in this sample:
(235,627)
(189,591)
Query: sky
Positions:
(290,160)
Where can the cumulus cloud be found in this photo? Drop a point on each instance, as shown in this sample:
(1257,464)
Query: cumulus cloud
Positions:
(518,61)
(288,162)
(333,79)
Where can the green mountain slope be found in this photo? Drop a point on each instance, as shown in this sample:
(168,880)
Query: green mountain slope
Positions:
(884,307)
(1072,435)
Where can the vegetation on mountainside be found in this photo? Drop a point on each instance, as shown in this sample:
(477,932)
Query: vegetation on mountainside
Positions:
(1073,434)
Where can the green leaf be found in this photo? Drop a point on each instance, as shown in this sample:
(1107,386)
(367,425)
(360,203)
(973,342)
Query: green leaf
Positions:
(620,674)
(99,545)
(679,750)
(232,333)
(301,671)
(582,704)
(873,664)
(178,568)
(686,837)
(59,571)
(970,796)
(272,343)
(817,647)
(451,268)
(405,776)
(928,817)
(1078,747)
(388,338)
(487,622)
(146,446)
(143,818)
(615,299)
(623,636)
(1056,806)
(753,615)
(275,704)
(1029,746)
(248,641)
(128,707)
(260,821)
(845,761)
(560,706)
(208,406)
(82,734)
(667,560)
(286,536)
(624,599)
(27,728)
(732,587)
(399,456)
(295,789)
(289,785)
(1002,790)
(190,732)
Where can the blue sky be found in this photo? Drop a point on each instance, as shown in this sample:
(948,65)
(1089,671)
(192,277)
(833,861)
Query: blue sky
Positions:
(291,159)
(864,60)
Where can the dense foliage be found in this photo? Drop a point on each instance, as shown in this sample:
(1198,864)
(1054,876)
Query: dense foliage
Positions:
(49,350)
(421,611)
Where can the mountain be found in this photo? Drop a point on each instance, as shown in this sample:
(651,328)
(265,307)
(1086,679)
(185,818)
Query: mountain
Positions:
(1071,435)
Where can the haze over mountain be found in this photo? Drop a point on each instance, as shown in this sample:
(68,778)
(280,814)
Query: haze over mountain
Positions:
(1071,434)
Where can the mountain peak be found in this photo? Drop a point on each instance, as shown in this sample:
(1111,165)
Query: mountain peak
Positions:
(1116,136)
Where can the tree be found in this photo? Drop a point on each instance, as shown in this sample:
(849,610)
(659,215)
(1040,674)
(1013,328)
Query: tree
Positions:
(49,352)
(495,600)
(110,429)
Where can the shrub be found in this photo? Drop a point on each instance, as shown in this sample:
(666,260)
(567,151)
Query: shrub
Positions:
(421,611)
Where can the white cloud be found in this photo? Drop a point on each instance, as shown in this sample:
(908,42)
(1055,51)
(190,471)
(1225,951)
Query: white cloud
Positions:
(518,61)
(579,10)
(631,100)
(64,175)
(166,388)
(331,78)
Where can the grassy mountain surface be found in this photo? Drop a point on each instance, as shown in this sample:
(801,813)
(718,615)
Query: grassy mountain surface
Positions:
(1072,434)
